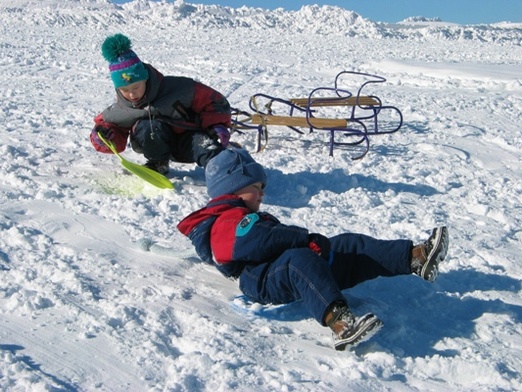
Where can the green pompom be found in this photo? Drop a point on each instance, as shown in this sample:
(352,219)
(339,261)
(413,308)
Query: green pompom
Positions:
(114,46)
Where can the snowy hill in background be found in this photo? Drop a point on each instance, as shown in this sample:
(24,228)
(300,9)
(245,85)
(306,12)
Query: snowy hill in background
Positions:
(311,19)
(100,292)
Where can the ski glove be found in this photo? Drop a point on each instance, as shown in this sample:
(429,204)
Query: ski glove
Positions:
(320,245)
(223,134)
(106,132)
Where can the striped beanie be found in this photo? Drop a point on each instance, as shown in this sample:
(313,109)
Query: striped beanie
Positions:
(125,66)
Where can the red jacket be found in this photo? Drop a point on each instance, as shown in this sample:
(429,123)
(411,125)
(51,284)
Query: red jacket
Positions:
(228,234)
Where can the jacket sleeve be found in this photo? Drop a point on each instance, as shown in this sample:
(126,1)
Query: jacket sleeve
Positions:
(119,136)
(212,106)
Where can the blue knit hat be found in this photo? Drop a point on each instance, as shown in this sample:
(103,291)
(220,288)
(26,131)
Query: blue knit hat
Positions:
(125,66)
(231,170)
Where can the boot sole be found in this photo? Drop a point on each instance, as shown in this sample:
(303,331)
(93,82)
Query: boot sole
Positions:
(430,270)
(370,326)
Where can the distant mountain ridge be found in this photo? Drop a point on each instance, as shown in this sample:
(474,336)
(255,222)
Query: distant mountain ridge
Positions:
(309,19)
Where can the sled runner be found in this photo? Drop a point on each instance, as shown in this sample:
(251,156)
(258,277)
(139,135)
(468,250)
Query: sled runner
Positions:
(354,117)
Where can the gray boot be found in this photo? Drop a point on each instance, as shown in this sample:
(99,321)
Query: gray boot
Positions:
(427,256)
(348,330)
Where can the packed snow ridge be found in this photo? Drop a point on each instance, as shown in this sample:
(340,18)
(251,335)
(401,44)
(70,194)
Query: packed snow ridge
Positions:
(309,19)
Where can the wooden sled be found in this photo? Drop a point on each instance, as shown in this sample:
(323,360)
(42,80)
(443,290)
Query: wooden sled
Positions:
(355,117)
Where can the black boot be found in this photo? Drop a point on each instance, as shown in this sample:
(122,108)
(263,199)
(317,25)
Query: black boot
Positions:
(161,167)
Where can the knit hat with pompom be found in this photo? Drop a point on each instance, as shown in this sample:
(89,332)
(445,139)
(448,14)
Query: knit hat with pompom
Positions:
(125,66)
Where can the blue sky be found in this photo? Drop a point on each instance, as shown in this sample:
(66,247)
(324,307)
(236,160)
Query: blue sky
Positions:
(457,11)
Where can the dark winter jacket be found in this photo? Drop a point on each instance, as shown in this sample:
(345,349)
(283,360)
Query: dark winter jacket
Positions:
(227,233)
(183,103)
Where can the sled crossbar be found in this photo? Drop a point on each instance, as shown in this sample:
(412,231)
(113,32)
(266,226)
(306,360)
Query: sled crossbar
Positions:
(304,122)
(335,101)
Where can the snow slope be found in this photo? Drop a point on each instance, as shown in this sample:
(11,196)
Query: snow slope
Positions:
(98,290)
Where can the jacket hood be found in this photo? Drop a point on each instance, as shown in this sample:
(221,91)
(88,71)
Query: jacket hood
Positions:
(214,208)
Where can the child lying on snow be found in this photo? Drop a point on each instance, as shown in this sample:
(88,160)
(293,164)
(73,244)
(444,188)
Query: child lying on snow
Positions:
(166,117)
(278,263)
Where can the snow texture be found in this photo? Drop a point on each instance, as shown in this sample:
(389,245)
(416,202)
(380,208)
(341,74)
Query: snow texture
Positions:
(100,292)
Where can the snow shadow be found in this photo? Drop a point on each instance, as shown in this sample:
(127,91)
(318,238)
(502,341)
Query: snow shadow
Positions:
(4,261)
(31,364)
(295,190)
(418,315)
(416,127)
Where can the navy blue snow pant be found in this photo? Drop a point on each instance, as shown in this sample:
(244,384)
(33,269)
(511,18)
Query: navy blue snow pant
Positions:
(157,142)
(301,274)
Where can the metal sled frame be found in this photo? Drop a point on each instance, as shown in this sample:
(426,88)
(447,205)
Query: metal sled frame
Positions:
(359,123)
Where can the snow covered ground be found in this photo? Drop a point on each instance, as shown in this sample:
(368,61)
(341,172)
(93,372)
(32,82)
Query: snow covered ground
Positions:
(85,302)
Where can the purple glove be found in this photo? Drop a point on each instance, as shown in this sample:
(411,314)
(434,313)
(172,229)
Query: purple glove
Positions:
(107,134)
(223,134)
